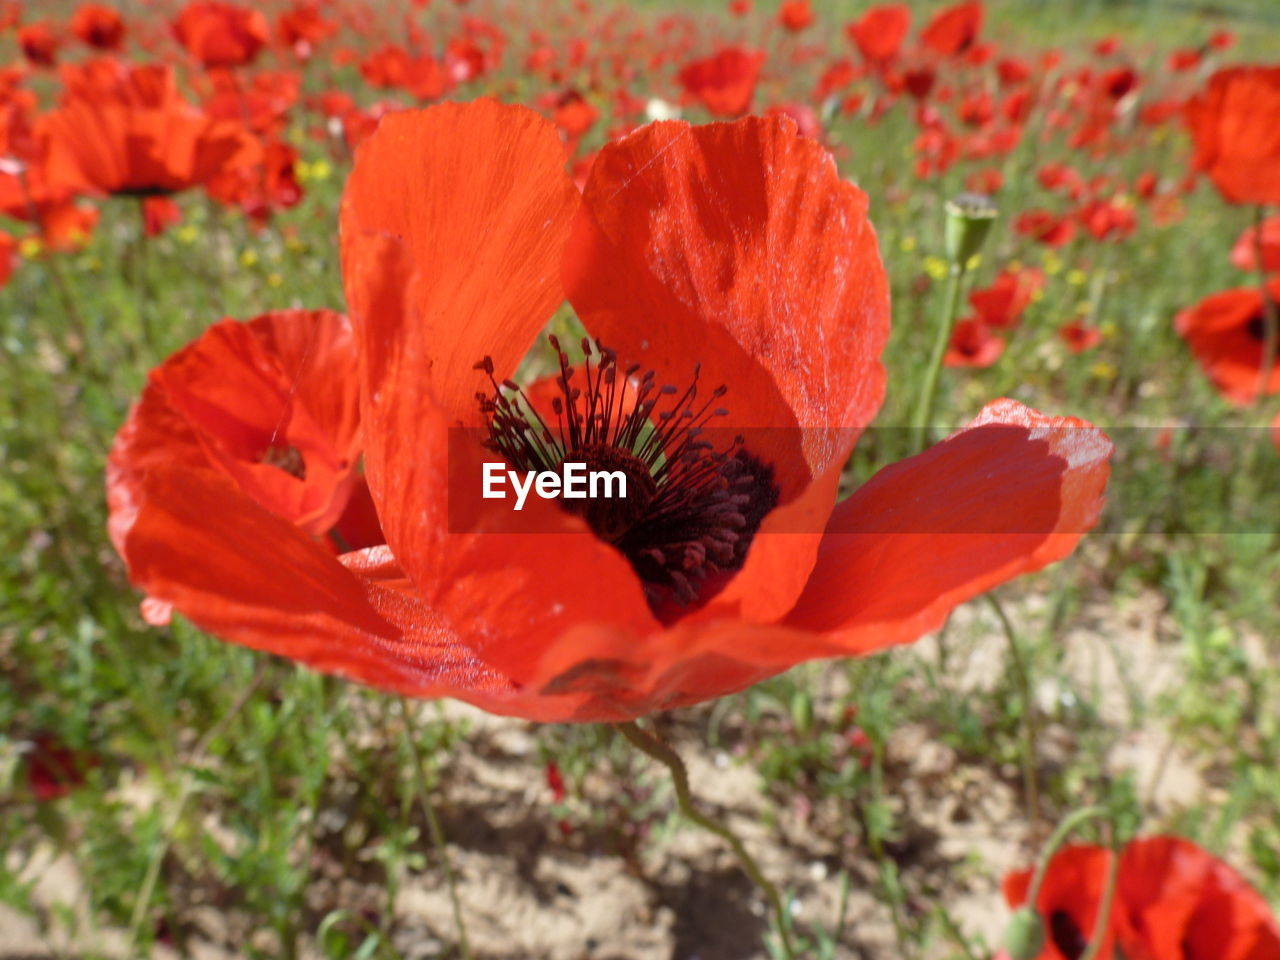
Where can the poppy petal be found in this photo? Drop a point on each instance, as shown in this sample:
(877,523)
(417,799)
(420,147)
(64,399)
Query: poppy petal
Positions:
(253,578)
(479,195)
(1010,493)
(739,247)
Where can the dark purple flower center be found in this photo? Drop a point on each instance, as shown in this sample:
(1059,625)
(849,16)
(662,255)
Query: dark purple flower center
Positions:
(690,509)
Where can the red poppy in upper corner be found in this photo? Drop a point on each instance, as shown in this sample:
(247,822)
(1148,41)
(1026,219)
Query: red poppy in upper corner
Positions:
(1173,901)
(879,32)
(1245,252)
(724,83)
(734,281)
(126,130)
(953,30)
(98,26)
(221,34)
(1227,333)
(796,15)
(1235,123)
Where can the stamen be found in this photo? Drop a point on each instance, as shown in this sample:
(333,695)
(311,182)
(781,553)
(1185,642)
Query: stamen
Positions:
(690,511)
(286,458)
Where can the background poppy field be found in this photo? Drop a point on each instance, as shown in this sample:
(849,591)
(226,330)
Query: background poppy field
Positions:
(165,794)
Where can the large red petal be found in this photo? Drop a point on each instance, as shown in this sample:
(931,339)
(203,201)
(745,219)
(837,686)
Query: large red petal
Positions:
(1010,493)
(255,579)
(738,246)
(479,195)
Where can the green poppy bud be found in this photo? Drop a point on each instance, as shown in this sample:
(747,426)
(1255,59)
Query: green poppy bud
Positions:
(1024,937)
(969,219)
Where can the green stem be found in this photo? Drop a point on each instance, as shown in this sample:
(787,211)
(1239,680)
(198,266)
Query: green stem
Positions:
(433,826)
(942,337)
(1103,920)
(1023,677)
(654,748)
(1064,829)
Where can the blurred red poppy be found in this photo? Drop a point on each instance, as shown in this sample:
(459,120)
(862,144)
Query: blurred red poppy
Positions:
(973,344)
(1079,336)
(125,130)
(724,83)
(1245,253)
(221,34)
(730,254)
(39,44)
(1173,901)
(795,15)
(53,769)
(1226,332)
(879,32)
(1002,304)
(98,26)
(953,30)
(1235,123)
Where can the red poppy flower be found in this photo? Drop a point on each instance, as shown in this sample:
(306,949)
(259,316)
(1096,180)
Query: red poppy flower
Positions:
(795,15)
(159,214)
(53,769)
(724,83)
(1245,252)
(269,405)
(1068,901)
(98,26)
(973,344)
(302,27)
(126,130)
(953,30)
(39,44)
(879,32)
(1235,123)
(1045,227)
(1173,901)
(1002,304)
(1079,336)
(1226,332)
(221,34)
(736,246)
(8,258)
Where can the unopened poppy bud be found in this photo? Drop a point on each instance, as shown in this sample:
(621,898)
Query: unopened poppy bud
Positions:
(969,219)
(1024,937)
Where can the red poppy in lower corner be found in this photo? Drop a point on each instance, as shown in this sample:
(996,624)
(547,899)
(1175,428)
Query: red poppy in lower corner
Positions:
(1173,901)
(726,277)
(1226,332)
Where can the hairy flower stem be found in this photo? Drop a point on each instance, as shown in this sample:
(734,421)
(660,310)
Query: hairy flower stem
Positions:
(433,826)
(942,337)
(1104,908)
(654,748)
(1064,829)
(1031,786)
